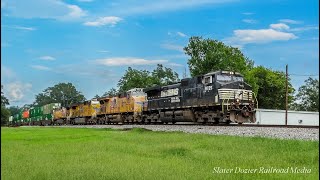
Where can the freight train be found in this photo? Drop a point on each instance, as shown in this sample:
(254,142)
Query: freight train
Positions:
(216,97)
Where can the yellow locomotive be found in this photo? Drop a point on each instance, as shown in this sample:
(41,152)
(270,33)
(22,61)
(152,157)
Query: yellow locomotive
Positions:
(125,107)
(83,113)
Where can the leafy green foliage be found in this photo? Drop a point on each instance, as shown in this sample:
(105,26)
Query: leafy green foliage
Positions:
(5,113)
(4,100)
(64,93)
(308,96)
(111,92)
(270,86)
(134,78)
(96,96)
(163,75)
(14,110)
(208,55)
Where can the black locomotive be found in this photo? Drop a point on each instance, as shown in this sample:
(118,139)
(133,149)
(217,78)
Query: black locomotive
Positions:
(216,97)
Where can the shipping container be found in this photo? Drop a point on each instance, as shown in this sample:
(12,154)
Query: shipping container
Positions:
(31,112)
(38,111)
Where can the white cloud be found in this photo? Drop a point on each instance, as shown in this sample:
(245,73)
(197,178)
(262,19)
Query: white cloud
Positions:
(126,61)
(181,34)
(15,91)
(109,20)
(279,26)
(248,13)
(172,47)
(290,21)
(241,37)
(47,58)
(42,68)
(20,27)
(249,21)
(306,28)
(45,9)
(174,34)
(175,64)
(75,12)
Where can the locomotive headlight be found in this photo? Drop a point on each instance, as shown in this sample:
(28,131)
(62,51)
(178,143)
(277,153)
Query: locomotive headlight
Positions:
(238,100)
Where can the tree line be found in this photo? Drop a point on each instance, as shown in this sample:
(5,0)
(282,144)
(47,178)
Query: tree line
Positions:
(205,55)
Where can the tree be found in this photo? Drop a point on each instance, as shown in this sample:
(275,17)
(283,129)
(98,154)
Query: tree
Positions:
(96,96)
(14,110)
(134,78)
(270,87)
(163,75)
(5,113)
(4,100)
(208,55)
(111,92)
(64,93)
(307,98)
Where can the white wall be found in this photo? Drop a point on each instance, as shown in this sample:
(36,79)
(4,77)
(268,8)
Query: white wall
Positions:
(277,117)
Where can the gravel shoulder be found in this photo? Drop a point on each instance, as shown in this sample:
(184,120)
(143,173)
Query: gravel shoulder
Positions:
(270,132)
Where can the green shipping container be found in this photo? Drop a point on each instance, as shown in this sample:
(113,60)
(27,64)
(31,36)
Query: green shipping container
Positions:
(32,112)
(38,111)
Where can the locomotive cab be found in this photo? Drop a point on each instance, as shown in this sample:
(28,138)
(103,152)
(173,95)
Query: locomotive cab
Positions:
(235,96)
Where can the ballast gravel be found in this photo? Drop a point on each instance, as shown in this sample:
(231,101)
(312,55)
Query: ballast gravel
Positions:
(271,132)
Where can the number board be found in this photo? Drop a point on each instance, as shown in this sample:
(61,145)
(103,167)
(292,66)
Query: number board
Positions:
(170,92)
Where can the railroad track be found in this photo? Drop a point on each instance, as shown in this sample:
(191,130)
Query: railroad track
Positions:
(260,125)
(193,124)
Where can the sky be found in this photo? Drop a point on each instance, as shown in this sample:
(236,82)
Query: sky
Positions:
(91,43)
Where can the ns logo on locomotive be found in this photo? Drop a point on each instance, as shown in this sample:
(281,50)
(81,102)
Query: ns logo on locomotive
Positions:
(216,97)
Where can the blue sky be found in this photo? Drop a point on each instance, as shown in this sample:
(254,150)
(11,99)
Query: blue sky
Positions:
(90,43)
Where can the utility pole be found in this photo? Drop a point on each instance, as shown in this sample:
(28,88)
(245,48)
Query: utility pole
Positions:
(286,95)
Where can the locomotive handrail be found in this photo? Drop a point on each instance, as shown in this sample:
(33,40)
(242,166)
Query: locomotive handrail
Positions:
(230,93)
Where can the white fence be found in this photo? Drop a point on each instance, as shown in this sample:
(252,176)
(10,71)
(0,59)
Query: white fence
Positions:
(277,117)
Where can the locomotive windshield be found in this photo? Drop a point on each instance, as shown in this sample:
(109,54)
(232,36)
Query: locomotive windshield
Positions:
(225,77)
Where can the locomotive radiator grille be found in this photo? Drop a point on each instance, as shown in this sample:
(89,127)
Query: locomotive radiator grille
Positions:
(235,94)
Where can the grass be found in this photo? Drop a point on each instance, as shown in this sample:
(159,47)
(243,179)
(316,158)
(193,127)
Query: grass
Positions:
(74,153)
